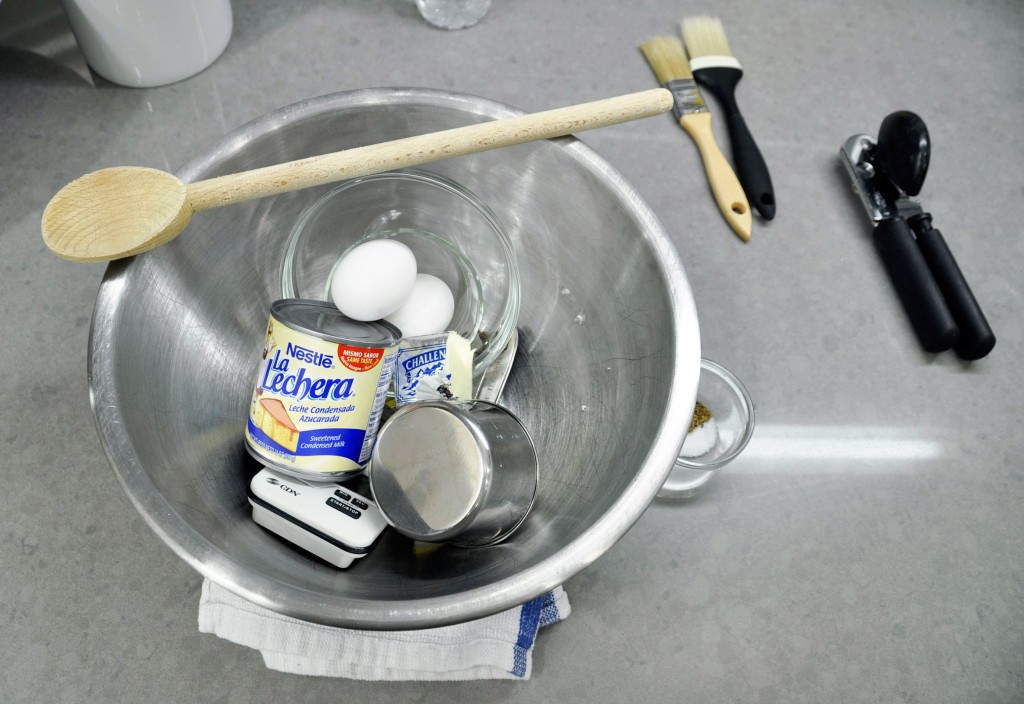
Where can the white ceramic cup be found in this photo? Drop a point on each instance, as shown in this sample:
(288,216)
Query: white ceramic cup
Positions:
(453,14)
(146,43)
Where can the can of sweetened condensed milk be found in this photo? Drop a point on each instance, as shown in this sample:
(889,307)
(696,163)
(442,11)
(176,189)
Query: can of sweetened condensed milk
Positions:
(320,390)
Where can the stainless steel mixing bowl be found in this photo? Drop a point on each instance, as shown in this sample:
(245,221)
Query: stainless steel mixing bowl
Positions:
(605,376)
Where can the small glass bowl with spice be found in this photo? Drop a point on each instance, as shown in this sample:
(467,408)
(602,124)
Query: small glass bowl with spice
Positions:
(722,423)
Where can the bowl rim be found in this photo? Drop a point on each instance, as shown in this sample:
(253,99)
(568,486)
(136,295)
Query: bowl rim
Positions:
(317,607)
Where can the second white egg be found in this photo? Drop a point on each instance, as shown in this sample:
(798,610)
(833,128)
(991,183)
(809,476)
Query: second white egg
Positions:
(428,309)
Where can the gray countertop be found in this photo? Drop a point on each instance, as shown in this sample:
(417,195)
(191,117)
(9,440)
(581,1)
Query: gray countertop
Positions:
(868,546)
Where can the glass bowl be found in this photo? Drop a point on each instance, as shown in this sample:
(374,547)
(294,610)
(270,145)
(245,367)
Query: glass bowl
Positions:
(719,440)
(453,234)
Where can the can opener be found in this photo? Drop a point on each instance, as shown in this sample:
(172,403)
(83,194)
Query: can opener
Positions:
(886,174)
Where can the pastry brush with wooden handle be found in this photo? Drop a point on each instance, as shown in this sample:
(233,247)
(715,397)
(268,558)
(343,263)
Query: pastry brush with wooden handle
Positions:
(667,57)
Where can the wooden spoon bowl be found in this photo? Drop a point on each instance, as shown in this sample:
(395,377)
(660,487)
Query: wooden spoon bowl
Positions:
(115,213)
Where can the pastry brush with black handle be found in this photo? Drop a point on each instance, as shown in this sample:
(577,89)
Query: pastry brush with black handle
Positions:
(716,69)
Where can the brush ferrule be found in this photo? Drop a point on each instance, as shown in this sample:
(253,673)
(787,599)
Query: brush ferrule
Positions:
(699,62)
(686,97)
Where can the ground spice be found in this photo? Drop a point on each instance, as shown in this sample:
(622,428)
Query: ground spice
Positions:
(701,415)
(703,434)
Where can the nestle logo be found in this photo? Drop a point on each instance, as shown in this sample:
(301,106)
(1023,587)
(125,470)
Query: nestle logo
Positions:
(303,354)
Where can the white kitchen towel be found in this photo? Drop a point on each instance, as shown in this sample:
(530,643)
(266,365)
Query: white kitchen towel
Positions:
(494,647)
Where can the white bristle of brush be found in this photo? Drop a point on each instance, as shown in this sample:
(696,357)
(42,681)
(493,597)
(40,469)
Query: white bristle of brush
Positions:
(667,58)
(705,37)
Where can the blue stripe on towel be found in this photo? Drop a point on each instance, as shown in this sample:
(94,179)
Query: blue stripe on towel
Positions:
(529,622)
(549,614)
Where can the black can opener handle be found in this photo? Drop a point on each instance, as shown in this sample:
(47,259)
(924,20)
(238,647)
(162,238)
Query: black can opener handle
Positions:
(915,285)
(976,338)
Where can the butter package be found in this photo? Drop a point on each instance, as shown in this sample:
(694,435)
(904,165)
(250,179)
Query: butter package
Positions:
(433,367)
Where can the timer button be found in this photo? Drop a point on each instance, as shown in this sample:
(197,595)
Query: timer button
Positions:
(344,508)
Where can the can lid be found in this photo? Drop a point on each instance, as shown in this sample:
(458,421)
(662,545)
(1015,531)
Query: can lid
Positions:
(431,470)
(324,320)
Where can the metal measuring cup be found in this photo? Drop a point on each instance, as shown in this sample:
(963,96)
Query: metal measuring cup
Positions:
(463,473)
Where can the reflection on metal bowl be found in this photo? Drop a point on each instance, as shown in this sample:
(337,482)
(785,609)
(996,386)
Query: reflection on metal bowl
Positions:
(605,374)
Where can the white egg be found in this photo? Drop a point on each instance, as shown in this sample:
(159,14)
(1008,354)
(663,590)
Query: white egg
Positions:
(428,309)
(374,279)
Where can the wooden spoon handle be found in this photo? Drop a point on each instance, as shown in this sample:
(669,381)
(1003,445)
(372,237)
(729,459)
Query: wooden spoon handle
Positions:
(421,149)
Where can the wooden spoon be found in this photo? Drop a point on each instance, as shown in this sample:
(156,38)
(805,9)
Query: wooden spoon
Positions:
(121,211)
